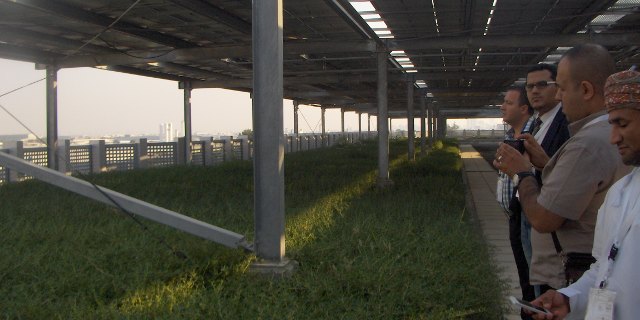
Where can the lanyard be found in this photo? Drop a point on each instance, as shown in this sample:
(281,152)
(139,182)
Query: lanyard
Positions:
(623,228)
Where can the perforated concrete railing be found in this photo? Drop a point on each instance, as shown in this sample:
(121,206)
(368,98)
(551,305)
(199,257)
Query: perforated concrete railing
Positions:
(100,156)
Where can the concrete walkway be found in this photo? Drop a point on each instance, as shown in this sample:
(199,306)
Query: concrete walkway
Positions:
(481,181)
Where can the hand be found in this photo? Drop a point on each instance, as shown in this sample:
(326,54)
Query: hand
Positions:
(510,161)
(553,301)
(537,155)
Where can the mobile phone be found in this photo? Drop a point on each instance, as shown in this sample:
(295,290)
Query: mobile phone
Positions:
(517,144)
(528,306)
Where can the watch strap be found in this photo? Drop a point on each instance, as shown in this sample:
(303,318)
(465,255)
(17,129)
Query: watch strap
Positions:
(522,175)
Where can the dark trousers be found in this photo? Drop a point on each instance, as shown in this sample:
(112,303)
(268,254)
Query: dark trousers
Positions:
(528,293)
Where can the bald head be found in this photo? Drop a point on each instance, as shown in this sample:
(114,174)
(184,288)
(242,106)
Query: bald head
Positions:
(590,62)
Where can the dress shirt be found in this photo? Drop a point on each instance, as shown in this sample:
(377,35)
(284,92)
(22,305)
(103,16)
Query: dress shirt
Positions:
(546,119)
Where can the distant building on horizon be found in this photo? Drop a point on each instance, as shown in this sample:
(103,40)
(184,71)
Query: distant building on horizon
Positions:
(167,132)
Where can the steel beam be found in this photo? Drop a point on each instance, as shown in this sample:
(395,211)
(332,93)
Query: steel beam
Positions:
(352,17)
(63,10)
(131,205)
(195,54)
(9,35)
(515,41)
(12,52)
(210,11)
(360,78)
(318,47)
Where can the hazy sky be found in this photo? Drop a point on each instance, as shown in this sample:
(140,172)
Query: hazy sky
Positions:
(96,102)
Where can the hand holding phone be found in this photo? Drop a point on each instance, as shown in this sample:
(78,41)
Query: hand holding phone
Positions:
(528,306)
(517,144)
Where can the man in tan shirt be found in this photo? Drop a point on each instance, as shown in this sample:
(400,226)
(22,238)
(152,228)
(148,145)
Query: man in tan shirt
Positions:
(576,179)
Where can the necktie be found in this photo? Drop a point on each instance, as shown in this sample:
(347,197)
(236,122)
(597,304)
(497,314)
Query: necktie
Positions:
(536,126)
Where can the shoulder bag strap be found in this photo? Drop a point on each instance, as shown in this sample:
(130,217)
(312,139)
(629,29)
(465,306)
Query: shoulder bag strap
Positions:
(556,243)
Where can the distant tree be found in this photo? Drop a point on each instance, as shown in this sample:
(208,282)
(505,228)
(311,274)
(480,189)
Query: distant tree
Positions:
(248,133)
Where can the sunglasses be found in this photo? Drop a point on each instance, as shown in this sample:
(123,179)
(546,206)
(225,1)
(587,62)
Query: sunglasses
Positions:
(540,84)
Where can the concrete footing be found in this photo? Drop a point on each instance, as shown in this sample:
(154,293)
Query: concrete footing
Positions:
(279,269)
(384,183)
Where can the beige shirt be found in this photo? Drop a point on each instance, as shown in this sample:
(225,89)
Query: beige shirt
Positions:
(575,182)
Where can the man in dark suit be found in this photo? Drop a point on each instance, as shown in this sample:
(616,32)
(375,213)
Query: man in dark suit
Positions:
(550,131)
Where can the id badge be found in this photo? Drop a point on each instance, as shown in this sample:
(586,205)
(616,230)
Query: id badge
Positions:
(600,305)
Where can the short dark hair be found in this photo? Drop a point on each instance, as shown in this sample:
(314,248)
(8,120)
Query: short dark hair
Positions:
(522,98)
(552,68)
(590,62)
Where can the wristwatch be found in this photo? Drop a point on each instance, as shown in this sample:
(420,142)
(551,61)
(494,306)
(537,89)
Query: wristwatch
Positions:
(519,176)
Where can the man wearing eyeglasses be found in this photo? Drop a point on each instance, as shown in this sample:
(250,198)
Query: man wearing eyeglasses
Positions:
(550,131)
(577,177)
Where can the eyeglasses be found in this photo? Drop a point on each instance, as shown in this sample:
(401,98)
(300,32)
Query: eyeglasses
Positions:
(540,84)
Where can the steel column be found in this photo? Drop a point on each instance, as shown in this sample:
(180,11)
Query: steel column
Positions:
(423,138)
(296,108)
(187,122)
(323,111)
(383,118)
(410,129)
(342,119)
(359,125)
(430,122)
(268,159)
(52,117)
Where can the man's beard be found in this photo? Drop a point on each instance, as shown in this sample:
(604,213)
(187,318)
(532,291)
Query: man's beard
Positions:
(632,160)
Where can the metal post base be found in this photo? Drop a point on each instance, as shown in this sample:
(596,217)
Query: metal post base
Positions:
(279,269)
(384,183)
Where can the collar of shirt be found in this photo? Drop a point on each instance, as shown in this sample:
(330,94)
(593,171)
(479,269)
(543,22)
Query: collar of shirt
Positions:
(529,124)
(510,134)
(576,126)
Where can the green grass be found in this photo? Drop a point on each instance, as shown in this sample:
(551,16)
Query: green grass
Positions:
(406,252)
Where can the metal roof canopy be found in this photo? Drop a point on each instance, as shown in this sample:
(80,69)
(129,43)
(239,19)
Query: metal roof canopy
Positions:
(329,50)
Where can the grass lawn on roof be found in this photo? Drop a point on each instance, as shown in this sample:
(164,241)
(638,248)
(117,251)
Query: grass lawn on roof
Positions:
(407,252)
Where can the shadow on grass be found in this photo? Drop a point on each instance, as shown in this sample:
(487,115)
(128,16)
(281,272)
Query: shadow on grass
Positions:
(405,252)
